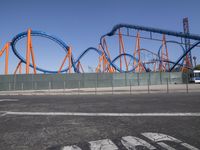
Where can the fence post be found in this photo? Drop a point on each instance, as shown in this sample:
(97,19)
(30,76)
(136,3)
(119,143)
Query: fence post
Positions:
(161,78)
(35,85)
(79,84)
(130,87)
(32,82)
(148,86)
(112,88)
(14,84)
(187,90)
(9,87)
(167,86)
(49,85)
(22,86)
(64,86)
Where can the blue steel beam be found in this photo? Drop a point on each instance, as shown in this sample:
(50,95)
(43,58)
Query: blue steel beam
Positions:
(187,51)
(154,30)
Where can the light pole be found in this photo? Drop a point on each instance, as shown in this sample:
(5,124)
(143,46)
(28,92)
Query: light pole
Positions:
(195,61)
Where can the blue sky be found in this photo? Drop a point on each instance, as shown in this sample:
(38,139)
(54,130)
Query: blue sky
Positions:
(80,23)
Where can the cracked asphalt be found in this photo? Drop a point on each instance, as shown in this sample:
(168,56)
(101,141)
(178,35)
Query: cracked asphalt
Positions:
(52,132)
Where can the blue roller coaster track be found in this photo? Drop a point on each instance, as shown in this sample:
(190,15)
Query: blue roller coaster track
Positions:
(74,61)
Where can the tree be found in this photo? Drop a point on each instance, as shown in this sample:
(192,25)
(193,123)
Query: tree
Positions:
(197,67)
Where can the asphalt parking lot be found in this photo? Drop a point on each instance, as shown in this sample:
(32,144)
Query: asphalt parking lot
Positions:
(145,121)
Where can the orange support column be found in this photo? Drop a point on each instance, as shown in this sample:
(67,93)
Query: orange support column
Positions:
(164,56)
(19,67)
(79,66)
(122,50)
(6,50)
(7,55)
(29,51)
(70,59)
(69,56)
(138,67)
(33,57)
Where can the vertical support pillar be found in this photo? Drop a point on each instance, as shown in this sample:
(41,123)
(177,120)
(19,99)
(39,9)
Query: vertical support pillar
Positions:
(29,51)
(69,56)
(7,55)
(167,85)
(6,50)
(70,59)
(187,89)
(64,86)
(148,86)
(79,86)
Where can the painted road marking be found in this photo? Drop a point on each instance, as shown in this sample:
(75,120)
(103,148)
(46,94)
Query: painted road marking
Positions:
(73,147)
(104,114)
(160,138)
(167,147)
(9,100)
(2,114)
(131,142)
(105,144)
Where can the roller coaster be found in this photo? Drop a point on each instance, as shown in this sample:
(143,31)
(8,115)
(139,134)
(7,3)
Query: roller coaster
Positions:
(139,60)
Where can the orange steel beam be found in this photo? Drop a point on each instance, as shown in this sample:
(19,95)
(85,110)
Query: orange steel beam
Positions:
(120,52)
(186,64)
(122,49)
(19,67)
(79,66)
(98,68)
(138,67)
(164,55)
(69,56)
(32,55)
(70,59)
(29,51)
(106,47)
(137,51)
(62,64)
(104,59)
(6,50)
(7,55)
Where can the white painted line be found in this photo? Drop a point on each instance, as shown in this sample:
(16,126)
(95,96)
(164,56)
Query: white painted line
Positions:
(189,146)
(105,114)
(160,138)
(8,100)
(167,147)
(131,142)
(105,144)
(3,114)
(73,147)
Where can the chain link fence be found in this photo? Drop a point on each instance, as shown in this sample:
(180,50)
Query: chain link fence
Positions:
(98,82)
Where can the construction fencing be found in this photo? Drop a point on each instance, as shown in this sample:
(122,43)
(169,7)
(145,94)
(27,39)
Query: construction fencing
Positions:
(88,80)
